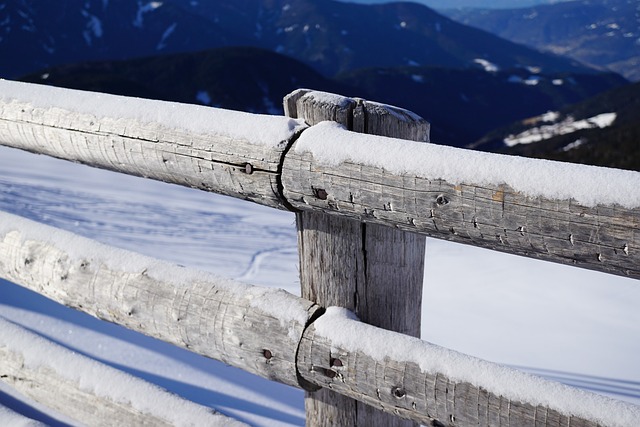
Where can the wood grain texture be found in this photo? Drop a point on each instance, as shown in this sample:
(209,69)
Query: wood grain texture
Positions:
(372,270)
(223,322)
(405,390)
(215,319)
(216,163)
(604,238)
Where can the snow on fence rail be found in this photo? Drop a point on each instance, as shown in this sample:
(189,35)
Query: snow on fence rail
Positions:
(362,201)
(572,214)
(268,332)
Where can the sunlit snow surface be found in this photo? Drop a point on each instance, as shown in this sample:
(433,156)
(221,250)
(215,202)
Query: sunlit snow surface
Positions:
(576,326)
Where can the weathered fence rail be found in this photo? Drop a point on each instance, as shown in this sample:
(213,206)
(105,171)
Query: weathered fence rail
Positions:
(227,152)
(223,320)
(40,369)
(571,214)
(284,338)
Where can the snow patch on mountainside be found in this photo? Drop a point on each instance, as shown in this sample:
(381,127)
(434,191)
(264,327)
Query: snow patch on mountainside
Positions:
(568,125)
(167,33)
(489,67)
(144,9)
(93,28)
(575,144)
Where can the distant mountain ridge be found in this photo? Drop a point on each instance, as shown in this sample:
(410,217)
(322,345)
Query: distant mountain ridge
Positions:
(603,130)
(604,33)
(237,78)
(331,36)
(38,34)
(465,81)
(462,104)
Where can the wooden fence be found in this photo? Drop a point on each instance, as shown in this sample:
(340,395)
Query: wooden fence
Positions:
(363,204)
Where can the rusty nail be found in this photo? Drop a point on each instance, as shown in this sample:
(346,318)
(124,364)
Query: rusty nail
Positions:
(321,193)
(248,168)
(267,354)
(330,373)
(441,200)
(398,392)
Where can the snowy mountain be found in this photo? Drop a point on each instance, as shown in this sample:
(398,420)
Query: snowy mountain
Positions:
(330,36)
(461,104)
(237,78)
(37,34)
(604,34)
(603,130)
(335,37)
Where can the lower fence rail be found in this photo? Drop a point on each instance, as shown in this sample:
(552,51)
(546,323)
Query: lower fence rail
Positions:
(288,339)
(91,392)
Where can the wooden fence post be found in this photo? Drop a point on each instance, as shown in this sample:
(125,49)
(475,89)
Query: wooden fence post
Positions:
(374,271)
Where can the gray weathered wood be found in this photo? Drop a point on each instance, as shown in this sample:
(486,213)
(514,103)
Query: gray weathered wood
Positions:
(344,253)
(602,238)
(399,386)
(47,387)
(373,270)
(247,327)
(238,324)
(212,162)
(74,396)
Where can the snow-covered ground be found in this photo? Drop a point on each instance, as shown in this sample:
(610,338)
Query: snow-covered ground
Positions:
(576,326)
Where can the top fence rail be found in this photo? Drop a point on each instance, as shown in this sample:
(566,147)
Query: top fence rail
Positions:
(572,214)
